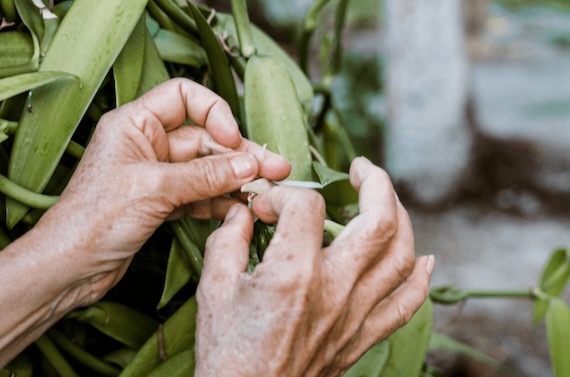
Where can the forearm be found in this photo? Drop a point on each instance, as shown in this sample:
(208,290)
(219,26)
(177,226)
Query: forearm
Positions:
(38,287)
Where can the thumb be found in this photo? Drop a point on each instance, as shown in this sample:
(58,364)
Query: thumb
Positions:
(208,177)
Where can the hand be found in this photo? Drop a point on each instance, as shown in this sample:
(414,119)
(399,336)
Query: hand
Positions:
(143,167)
(305,310)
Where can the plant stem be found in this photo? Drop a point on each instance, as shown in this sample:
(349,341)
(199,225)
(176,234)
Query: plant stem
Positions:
(191,250)
(56,359)
(83,356)
(25,196)
(337,40)
(310,24)
(333,228)
(243,27)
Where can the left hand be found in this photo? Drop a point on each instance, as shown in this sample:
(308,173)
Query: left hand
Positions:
(144,166)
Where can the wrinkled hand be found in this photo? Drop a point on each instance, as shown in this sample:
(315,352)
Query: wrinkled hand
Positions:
(305,310)
(143,167)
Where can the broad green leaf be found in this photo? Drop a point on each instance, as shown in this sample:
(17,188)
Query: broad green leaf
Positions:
(177,335)
(154,71)
(88,41)
(16,51)
(180,49)
(120,322)
(219,64)
(31,17)
(274,115)
(128,67)
(181,365)
(553,280)
(409,344)
(441,342)
(11,86)
(371,363)
(268,47)
(327,175)
(558,332)
(178,273)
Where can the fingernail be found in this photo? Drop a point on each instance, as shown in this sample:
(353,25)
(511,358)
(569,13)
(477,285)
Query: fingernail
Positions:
(430,264)
(232,212)
(243,165)
(366,159)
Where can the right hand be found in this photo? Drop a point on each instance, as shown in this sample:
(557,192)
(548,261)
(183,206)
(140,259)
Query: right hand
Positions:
(305,310)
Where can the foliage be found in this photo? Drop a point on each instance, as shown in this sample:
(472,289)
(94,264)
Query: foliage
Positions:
(61,68)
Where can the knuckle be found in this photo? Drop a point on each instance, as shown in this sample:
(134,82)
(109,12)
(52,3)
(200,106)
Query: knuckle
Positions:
(384,227)
(213,177)
(404,314)
(403,265)
(306,199)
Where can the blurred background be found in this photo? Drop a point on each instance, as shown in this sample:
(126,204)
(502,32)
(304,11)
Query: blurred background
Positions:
(467,105)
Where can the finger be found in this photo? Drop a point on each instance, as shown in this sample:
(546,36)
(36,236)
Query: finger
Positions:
(215,208)
(227,250)
(273,166)
(369,232)
(391,313)
(189,142)
(382,277)
(299,214)
(203,178)
(175,100)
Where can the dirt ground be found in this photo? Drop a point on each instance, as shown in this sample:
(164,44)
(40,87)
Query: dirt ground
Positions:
(478,246)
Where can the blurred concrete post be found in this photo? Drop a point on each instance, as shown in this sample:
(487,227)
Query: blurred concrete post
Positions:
(428,144)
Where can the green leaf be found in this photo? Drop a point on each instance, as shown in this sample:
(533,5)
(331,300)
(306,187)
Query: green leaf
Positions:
(219,64)
(178,273)
(88,41)
(55,358)
(274,115)
(268,47)
(9,10)
(553,280)
(11,86)
(16,51)
(120,322)
(558,332)
(180,49)
(181,365)
(177,335)
(31,17)
(409,344)
(128,67)
(241,20)
(154,71)
(371,363)
(441,342)
(327,175)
